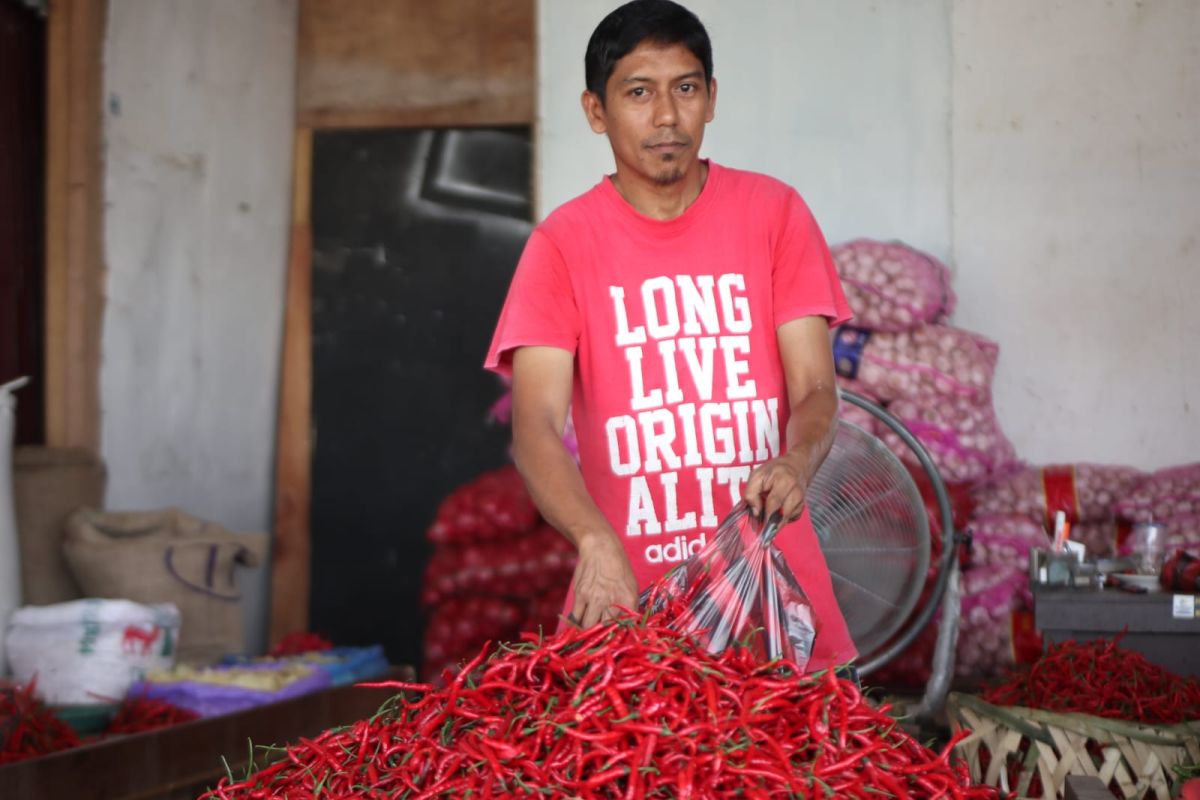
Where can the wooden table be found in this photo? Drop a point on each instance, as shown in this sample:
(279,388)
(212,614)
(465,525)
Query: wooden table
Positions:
(184,760)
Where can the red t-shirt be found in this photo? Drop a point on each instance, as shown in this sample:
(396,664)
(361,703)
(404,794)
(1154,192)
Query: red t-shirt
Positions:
(679,389)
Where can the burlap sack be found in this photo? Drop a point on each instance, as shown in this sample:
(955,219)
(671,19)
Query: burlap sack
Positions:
(48,484)
(167,556)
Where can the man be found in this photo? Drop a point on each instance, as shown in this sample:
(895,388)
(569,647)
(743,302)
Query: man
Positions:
(681,311)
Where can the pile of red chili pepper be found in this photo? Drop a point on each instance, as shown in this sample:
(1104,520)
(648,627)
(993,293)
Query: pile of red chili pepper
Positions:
(138,714)
(1103,679)
(629,709)
(28,728)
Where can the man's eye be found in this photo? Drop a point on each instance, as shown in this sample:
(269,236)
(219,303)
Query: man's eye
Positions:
(687,88)
(637,91)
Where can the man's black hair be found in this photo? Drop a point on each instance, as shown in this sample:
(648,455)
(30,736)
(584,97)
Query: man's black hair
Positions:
(659,21)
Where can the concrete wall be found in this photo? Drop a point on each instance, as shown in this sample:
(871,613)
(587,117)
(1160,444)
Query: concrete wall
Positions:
(1047,150)
(198,128)
(1076,189)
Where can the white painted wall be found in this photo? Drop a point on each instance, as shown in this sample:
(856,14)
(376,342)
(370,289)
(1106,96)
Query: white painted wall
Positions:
(1077,218)
(1048,149)
(198,129)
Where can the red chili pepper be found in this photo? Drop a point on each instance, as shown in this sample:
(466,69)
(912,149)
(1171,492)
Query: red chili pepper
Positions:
(28,728)
(630,709)
(1102,679)
(139,714)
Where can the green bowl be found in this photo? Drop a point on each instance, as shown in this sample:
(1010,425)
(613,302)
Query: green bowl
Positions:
(87,719)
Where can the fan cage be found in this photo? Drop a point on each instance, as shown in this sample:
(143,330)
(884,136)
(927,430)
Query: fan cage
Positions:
(916,622)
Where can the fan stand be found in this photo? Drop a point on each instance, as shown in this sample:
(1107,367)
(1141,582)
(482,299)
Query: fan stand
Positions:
(947,591)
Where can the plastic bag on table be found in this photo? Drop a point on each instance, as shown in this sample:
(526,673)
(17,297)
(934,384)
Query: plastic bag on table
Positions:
(739,588)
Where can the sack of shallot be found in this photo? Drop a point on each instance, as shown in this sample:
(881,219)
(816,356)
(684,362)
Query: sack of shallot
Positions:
(962,435)
(1003,541)
(461,625)
(891,286)
(533,562)
(1165,494)
(855,415)
(1084,492)
(928,360)
(1171,497)
(994,602)
(492,507)
(1098,536)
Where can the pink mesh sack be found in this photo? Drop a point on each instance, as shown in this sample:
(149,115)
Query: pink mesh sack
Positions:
(1003,541)
(928,360)
(1098,536)
(853,414)
(891,286)
(534,562)
(991,597)
(962,435)
(1085,492)
(1167,493)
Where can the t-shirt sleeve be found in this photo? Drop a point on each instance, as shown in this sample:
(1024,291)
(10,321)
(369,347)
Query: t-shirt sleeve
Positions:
(540,308)
(804,278)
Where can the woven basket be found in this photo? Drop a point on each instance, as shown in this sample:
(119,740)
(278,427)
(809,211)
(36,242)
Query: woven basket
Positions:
(1134,760)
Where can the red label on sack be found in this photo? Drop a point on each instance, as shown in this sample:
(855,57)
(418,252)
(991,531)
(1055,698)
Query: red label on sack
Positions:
(1058,486)
(1026,641)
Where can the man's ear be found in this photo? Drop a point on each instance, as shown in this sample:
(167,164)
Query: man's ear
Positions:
(712,100)
(593,109)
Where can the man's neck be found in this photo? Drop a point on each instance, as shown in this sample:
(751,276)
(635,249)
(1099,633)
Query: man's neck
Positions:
(662,202)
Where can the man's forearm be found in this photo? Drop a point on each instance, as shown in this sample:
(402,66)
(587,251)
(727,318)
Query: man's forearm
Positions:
(556,485)
(811,430)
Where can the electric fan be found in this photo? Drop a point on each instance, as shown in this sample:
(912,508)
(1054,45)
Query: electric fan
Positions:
(871,522)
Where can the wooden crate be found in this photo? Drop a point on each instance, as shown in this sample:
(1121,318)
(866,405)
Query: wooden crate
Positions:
(179,762)
(1135,760)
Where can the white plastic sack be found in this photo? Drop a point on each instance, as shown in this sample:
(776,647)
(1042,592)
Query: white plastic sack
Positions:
(10,554)
(90,651)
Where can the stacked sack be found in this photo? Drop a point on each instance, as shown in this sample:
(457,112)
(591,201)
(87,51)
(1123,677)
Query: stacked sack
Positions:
(497,569)
(1016,512)
(1170,497)
(1085,493)
(937,380)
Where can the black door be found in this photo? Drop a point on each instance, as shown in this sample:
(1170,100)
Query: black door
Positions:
(416,235)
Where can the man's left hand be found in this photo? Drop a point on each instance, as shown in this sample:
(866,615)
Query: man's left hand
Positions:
(777,485)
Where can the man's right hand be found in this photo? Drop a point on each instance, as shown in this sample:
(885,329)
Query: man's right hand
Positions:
(542,381)
(603,580)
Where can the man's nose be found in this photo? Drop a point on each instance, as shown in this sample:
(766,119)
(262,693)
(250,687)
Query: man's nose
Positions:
(664,109)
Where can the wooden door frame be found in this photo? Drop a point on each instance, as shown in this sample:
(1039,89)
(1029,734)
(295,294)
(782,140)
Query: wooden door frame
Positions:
(291,568)
(74,241)
(291,547)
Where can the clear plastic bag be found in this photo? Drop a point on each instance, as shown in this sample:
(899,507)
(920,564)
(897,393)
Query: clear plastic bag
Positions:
(739,589)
